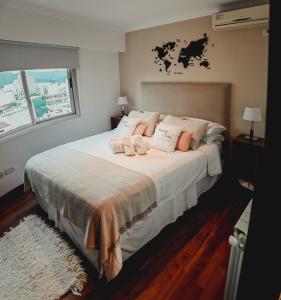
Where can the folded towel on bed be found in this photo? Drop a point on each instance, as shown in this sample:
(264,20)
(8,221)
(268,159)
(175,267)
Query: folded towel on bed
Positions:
(126,140)
(140,144)
(116,145)
(141,150)
(130,145)
(129,150)
(136,140)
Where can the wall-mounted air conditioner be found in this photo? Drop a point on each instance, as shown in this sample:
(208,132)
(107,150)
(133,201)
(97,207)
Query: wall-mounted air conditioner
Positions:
(241,18)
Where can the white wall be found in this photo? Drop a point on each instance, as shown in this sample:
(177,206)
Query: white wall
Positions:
(98,84)
(98,87)
(20,25)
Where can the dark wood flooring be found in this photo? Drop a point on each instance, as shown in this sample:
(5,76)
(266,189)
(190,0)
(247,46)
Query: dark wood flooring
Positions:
(187,260)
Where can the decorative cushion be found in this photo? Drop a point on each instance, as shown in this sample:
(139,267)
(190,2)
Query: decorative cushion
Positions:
(197,127)
(184,141)
(212,128)
(140,129)
(147,117)
(165,137)
(127,126)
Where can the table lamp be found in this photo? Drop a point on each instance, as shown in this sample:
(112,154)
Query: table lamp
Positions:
(122,101)
(252,114)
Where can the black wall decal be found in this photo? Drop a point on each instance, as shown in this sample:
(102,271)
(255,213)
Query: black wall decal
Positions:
(180,53)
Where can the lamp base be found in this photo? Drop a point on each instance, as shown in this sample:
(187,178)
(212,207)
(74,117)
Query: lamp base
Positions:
(247,137)
(246,184)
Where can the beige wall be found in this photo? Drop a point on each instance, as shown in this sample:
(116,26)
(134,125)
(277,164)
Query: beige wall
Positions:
(238,57)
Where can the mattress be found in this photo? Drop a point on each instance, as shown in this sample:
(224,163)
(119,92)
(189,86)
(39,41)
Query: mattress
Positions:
(171,172)
(180,178)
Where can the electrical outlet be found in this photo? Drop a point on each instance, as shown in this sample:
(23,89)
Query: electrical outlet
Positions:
(1,174)
(9,171)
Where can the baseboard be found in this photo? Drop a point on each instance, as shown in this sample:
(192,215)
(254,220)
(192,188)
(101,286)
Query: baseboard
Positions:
(12,195)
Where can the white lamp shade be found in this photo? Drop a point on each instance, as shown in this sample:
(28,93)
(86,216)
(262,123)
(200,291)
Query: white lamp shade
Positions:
(3,124)
(252,114)
(122,100)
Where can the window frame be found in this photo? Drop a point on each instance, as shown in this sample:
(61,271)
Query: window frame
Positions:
(36,124)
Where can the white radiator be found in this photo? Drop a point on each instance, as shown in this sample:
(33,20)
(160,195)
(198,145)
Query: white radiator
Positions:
(237,242)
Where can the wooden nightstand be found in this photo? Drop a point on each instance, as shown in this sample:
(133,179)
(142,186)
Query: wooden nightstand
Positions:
(115,121)
(246,157)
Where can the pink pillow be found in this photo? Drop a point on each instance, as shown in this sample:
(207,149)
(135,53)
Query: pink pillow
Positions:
(151,124)
(140,129)
(150,118)
(184,141)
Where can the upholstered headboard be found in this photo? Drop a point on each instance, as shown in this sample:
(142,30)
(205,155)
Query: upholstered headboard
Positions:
(210,101)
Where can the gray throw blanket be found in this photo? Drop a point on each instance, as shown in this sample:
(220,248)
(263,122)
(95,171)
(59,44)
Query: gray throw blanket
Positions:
(100,197)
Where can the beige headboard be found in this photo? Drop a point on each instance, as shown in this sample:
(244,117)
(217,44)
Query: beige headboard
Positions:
(210,101)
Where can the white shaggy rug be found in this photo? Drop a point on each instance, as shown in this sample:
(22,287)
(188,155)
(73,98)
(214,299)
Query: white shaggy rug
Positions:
(36,263)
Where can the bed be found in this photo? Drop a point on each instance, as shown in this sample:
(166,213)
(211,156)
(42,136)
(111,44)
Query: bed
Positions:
(161,185)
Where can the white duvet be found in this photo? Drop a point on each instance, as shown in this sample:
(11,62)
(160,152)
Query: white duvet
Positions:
(171,172)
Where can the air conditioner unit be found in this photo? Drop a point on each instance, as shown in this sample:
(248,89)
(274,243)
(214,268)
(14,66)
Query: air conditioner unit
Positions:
(241,18)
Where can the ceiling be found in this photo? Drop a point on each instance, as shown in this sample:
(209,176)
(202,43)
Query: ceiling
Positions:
(127,15)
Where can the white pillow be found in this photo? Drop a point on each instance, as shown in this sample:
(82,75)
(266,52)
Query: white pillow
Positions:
(162,117)
(127,126)
(150,118)
(213,138)
(212,128)
(166,137)
(197,127)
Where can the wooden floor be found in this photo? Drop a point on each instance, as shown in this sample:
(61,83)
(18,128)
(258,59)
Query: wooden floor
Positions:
(187,260)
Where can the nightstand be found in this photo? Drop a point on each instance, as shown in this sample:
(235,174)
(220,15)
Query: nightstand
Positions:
(115,121)
(246,157)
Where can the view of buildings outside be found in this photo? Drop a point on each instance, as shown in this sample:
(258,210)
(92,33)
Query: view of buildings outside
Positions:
(48,92)
(13,106)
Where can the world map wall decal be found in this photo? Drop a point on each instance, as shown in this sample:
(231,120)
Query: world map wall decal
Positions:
(177,54)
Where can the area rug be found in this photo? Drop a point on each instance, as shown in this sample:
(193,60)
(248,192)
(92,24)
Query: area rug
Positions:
(36,263)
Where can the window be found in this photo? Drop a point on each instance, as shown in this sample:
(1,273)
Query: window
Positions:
(13,105)
(33,96)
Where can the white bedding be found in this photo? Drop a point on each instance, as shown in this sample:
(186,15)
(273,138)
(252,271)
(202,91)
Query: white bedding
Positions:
(171,172)
(180,178)
(141,232)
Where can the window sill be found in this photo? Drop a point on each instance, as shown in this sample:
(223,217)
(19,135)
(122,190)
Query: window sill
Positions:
(32,127)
